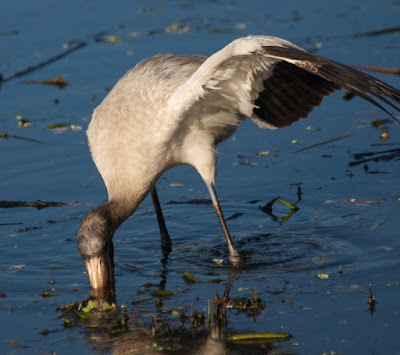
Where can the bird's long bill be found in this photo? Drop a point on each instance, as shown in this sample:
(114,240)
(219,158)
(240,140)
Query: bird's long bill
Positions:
(101,272)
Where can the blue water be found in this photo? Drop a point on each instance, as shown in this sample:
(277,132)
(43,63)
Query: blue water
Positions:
(37,246)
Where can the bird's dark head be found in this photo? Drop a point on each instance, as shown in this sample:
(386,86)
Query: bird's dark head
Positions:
(96,248)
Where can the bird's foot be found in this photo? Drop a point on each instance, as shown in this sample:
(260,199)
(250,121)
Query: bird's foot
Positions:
(234,257)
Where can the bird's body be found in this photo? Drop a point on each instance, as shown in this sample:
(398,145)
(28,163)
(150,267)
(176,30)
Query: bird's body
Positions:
(172,110)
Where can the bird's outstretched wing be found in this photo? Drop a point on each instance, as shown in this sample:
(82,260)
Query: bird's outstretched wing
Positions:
(328,74)
(273,82)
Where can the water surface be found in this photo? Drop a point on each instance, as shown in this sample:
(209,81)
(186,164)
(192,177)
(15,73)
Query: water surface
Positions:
(283,255)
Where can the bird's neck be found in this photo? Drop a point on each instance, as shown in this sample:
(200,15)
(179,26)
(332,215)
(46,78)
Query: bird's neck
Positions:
(118,211)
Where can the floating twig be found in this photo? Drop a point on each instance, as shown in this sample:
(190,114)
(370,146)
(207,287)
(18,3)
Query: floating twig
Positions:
(7,135)
(38,204)
(324,142)
(40,65)
(382,31)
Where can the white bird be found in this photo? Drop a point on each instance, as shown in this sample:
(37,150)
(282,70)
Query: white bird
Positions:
(171,110)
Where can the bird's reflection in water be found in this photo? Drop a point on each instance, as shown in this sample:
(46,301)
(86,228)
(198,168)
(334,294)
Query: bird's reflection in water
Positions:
(120,330)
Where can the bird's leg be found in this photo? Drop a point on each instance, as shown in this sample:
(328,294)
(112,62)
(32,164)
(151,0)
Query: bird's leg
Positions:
(166,243)
(234,257)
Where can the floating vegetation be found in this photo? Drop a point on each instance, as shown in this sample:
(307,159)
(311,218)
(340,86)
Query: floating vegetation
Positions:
(133,267)
(323,276)
(175,330)
(176,184)
(189,278)
(377,122)
(75,127)
(268,209)
(218,261)
(92,309)
(17,345)
(59,81)
(347,95)
(177,27)
(19,266)
(89,307)
(265,152)
(250,338)
(163,293)
(340,269)
(112,39)
(57,125)
(62,126)
(379,223)
(47,294)
(22,122)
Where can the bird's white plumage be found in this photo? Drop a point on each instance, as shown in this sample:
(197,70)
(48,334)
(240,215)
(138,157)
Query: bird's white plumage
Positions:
(173,111)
